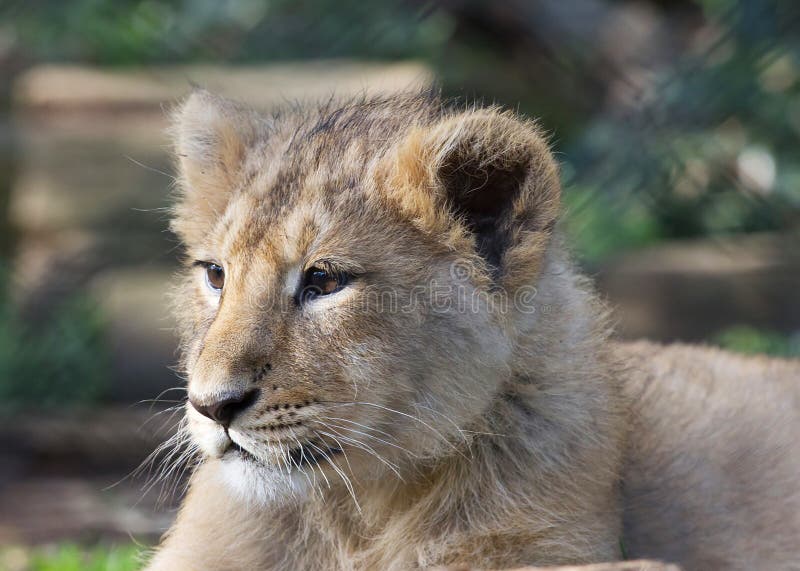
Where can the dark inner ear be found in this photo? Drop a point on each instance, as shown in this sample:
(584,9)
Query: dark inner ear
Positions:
(483,195)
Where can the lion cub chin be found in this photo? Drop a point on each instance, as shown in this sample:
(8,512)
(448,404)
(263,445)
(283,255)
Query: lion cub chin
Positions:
(393,363)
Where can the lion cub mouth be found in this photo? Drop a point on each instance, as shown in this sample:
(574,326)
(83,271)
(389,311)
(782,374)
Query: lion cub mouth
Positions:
(234,448)
(310,453)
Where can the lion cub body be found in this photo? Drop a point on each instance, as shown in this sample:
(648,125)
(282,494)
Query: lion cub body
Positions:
(456,398)
(712,472)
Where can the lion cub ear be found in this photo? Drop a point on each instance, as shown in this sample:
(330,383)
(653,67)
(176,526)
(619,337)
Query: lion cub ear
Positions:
(211,137)
(491,173)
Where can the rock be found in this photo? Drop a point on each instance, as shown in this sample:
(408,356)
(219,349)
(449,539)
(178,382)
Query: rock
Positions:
(640,565)
(66,89)
(692,290)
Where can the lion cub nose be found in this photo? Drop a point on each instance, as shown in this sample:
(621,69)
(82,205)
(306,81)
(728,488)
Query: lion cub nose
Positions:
(228,405)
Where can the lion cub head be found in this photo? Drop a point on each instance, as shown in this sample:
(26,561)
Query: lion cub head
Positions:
(353,278)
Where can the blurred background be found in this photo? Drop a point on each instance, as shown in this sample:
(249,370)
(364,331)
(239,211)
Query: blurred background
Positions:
(676,122)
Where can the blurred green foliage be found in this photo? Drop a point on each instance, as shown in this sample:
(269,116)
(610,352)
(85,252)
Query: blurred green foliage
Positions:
(706,145)
(150,31)
(71,557)
(711,148)
(750,340)
(63,360)
(599,226)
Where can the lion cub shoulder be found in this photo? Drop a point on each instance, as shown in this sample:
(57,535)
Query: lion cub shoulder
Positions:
(713,466)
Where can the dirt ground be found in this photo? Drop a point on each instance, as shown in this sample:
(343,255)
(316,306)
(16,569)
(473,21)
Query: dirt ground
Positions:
(72,476)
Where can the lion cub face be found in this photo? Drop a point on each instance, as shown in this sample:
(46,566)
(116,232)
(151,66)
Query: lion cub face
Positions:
(348,301)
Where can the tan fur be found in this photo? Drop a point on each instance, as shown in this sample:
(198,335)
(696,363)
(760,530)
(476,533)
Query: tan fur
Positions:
(487,430)
(713,476)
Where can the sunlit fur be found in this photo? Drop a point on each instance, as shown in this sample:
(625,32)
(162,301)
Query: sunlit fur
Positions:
(487,430)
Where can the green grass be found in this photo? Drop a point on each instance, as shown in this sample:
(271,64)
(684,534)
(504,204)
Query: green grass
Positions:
(72,557)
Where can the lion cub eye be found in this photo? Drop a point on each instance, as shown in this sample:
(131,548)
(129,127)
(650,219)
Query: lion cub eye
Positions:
(215,276)
(319,281)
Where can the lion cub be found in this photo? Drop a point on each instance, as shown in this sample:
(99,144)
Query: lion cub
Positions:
(393,364)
